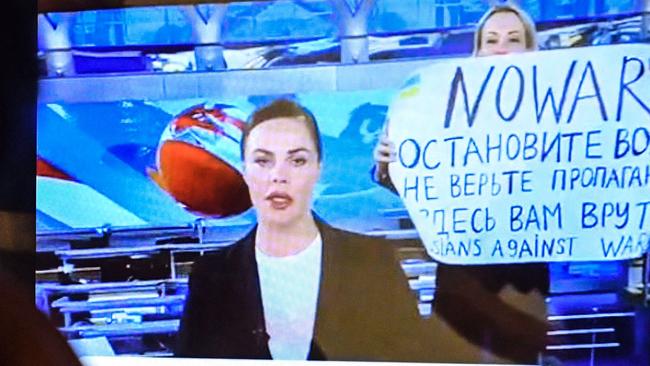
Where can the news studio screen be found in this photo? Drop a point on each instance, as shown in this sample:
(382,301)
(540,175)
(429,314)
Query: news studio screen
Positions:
(496,150)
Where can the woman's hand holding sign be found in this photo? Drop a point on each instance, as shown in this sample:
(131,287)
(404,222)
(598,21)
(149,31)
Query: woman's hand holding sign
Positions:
(383,154)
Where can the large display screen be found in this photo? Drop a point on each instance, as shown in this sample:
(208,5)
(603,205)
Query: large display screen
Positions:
(141,115)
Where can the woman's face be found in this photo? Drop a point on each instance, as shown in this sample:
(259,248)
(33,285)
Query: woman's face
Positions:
(503,33)
(281,168)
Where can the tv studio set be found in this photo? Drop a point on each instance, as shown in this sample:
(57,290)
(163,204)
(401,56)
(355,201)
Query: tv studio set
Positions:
(152,180)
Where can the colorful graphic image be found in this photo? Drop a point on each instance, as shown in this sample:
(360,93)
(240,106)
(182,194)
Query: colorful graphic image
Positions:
(198,163)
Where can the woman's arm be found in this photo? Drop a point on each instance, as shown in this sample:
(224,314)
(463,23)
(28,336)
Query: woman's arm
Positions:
(483,318)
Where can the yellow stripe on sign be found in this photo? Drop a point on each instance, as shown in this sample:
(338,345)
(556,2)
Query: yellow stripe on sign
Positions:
(410,92)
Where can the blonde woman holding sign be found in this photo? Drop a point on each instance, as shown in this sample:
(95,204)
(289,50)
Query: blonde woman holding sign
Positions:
(487,303)
(503,29)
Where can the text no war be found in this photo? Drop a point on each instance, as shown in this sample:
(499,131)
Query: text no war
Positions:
(584,86)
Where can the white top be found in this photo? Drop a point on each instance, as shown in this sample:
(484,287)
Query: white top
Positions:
(289,288)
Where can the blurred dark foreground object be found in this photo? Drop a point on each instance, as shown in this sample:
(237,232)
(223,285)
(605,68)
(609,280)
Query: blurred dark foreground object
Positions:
(27,338)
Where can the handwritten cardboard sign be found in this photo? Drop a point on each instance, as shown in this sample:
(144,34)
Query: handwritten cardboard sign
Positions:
(536,157)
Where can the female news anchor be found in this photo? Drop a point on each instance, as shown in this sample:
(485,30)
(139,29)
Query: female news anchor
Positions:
(295,287)
(483,303)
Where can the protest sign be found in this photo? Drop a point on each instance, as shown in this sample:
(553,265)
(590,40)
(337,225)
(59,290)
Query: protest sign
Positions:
(536,157)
